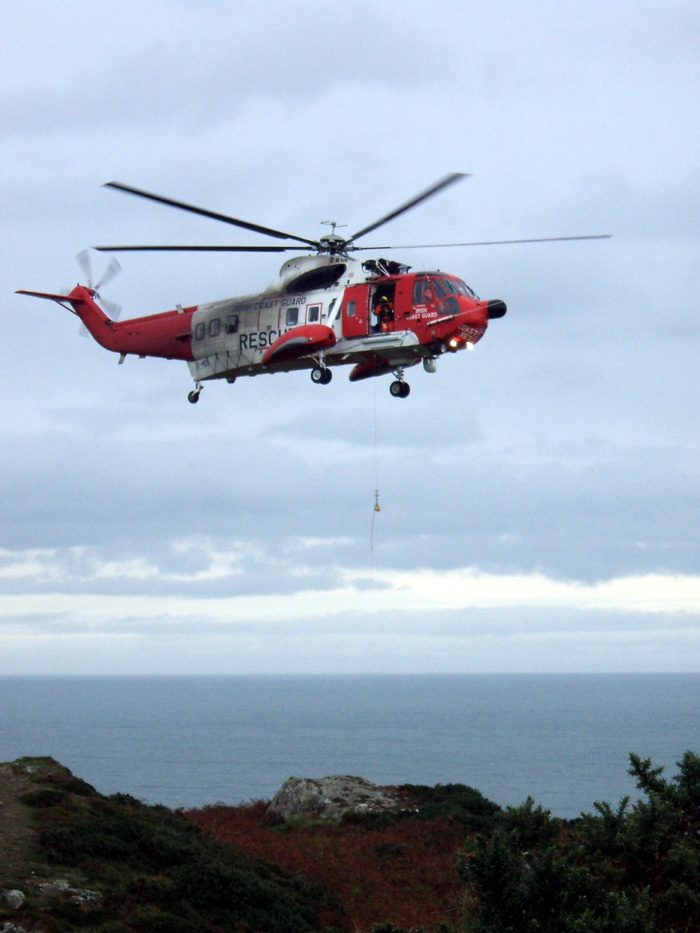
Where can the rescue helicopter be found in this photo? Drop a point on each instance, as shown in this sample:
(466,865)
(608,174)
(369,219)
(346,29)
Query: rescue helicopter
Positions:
(326,309)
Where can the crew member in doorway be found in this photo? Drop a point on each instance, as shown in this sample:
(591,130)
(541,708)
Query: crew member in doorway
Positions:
(385,314)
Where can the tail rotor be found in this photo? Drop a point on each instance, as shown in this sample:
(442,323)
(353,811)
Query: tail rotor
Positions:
(112,309)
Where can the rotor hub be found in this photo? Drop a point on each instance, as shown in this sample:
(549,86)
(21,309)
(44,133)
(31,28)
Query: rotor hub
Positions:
(332,244)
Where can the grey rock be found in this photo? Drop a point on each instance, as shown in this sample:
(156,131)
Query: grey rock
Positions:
(330,798)
(63,889)
(13,898)
(53,888)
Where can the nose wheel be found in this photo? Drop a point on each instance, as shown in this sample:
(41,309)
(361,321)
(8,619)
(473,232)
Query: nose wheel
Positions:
(193,396)
(399,388)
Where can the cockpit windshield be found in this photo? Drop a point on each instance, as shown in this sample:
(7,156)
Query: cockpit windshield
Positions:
(428,288)
(458,287)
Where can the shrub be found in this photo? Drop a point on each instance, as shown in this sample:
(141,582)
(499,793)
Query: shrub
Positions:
(624,870)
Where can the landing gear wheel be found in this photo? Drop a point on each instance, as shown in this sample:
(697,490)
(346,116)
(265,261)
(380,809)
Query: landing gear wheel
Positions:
(399,389)
(193,396)
(321,376)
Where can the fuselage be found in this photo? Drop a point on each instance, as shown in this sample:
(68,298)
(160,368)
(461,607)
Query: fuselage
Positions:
(432,313)
(324,311)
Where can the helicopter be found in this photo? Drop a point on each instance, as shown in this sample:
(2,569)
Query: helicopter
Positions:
(325,310)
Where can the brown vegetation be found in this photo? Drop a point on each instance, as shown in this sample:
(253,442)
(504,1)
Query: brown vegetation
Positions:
(404,872)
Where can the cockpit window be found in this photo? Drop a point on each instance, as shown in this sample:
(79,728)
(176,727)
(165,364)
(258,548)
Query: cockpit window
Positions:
(449,305)
(447,286)
(440,286)
(422,292)
(461,288)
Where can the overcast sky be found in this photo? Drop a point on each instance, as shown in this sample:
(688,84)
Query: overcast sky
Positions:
(539,496)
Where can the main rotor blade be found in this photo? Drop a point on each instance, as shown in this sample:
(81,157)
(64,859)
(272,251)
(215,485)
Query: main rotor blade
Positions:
(547,239)
(268,231)
(438,186)
(197,249)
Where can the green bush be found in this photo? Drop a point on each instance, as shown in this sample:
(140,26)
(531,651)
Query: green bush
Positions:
(457,801)
(162,873)
(626,870)
(44,798)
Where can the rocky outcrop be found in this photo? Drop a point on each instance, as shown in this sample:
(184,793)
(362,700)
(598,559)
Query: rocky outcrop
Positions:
(13,898)
(63,890)
(331,798)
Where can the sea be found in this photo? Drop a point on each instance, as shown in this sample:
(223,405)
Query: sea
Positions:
(184,741)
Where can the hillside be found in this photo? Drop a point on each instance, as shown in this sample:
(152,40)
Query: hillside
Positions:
(452,860)
(444,860)
(71,859)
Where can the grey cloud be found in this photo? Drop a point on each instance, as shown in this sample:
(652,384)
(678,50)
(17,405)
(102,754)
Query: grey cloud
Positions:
(257,53)
(566,442)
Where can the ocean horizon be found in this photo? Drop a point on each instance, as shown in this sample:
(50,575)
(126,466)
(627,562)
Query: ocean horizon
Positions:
(193,740)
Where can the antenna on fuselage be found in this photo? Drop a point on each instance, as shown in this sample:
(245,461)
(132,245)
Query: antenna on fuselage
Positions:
(332,224)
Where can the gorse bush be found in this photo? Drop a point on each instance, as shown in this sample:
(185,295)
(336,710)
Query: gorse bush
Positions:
(459,802)
(633,869)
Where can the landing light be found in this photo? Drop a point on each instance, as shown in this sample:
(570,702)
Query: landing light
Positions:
(470,345)
(454,343)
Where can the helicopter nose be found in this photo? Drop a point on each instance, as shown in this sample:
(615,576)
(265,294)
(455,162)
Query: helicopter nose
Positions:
(496,308)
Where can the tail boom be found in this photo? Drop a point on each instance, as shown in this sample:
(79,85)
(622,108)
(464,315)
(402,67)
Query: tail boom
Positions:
(166,335)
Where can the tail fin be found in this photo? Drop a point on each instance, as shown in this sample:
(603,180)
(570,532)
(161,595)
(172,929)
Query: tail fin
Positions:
(164,335)
(82,304)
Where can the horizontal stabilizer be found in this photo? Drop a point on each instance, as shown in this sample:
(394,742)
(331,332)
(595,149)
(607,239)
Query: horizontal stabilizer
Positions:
(52,296)
(298,342)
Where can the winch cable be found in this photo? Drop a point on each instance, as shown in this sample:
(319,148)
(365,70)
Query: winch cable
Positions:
(377,507)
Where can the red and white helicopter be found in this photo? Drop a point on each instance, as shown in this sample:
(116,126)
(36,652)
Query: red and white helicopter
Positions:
(327,309)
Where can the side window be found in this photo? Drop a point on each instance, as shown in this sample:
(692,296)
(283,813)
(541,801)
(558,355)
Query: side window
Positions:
(214,327)
(292,316)
(420,287)
(199,332)
(351,309)
(232,324)
(313,314)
